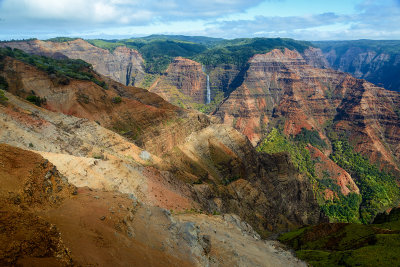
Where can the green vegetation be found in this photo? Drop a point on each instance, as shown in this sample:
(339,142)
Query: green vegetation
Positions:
(276,142)
(397,111)
(62,69)
(207,41)
(98,156)
(38,101)
(378,189)
(3,83)
(343,208)
(3,98)
(61,39)
(158,53)
(349,244)
(208,108)
(310,137)
(19,40)
(159,50)
(106,44)
(116,100)
(239,51)
(148,80)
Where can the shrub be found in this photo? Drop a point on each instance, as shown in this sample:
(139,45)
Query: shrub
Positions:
(36,100)
(3,98)
(378,189)
(3,83)
(116,100)
(310,137)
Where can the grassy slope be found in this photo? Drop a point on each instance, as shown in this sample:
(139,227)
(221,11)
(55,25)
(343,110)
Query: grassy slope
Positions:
(376,244)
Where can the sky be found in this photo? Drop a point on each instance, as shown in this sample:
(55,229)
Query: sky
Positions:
(111,19)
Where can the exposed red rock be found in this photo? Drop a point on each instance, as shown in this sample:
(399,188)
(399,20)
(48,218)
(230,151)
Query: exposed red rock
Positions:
(280,87)
(66,226)
(183,83)
(324,166)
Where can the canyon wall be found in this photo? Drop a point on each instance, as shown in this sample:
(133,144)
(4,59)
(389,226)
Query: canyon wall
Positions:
(281,88)
(124,65)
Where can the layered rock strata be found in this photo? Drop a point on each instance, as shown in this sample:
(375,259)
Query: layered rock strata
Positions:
(281,88)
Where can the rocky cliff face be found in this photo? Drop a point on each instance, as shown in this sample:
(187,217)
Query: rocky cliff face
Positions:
(123,64)
(280,87)
(314,57)
(184,83)
(229,176)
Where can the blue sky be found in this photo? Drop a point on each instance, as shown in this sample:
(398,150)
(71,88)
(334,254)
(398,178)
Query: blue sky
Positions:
(299,19)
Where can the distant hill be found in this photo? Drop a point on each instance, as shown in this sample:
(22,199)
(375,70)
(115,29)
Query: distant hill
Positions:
(207,41)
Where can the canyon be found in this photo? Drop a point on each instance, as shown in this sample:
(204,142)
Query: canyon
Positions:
(170,180)
(147,178)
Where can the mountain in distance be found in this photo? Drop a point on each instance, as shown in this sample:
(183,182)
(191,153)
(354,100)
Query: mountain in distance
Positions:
(377,61)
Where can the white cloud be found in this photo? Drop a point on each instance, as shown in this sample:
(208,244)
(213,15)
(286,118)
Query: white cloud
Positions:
(378,19)
(120,11)
(374,19)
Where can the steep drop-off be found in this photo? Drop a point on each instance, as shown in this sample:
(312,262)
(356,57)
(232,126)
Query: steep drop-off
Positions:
(184,83)
(280,88)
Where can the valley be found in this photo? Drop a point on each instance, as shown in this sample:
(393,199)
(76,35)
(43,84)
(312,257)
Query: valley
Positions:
(229,144)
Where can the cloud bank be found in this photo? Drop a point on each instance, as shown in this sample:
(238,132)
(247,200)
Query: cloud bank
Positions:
(375,19)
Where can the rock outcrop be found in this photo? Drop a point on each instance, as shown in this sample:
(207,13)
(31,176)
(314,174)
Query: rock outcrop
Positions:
(230,177)
(123,65)
(314,57)
(184,83)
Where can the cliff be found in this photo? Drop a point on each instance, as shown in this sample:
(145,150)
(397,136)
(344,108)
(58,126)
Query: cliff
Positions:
(184,83)
(281,88)
(123,64)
